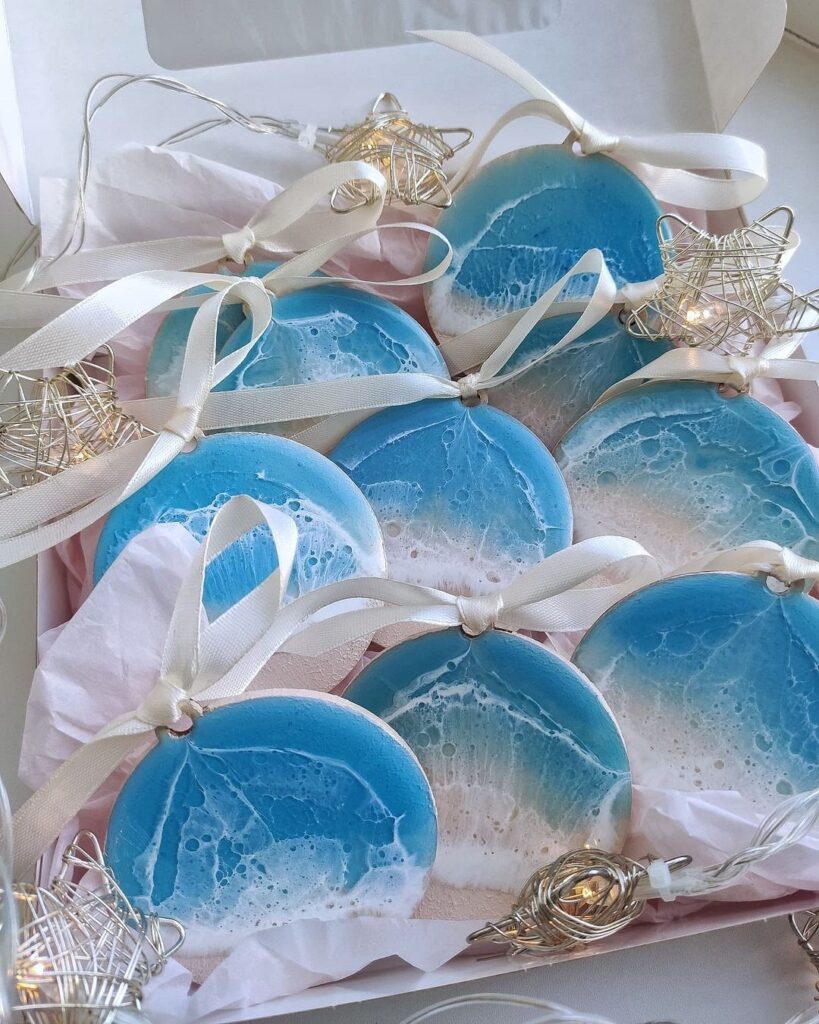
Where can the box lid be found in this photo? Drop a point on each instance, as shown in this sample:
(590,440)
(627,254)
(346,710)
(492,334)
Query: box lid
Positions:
(648,65)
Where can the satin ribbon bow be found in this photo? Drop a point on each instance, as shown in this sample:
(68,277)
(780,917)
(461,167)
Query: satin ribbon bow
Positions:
(37,517)
(284,224)
(565,592)
(758,556)
(773,363)
(341,404)
(199,663)
(671,165)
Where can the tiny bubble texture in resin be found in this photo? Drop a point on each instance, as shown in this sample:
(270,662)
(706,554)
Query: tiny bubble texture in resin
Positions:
(339,537)
(524,220)
(270,811)
(524,758)
(466,496)
(687,470)
(322,333)
(714,679)
(553,394)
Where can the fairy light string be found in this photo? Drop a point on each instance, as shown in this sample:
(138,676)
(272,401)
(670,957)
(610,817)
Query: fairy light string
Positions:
(588,895)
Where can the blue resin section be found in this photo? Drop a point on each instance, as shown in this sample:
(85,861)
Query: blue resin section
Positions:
(714,680)
(524,758)
(467,498)
(273,810)
(687,470)
(168,350)
(332,331)
(338,535)
(551,396)
(522,222)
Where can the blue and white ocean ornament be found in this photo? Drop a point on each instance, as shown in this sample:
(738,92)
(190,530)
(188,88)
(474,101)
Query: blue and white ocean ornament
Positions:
(714,680)
(290,807)
(339,537)
(467,497)
(328,332)
(521,223)
(687,468)
(523,756)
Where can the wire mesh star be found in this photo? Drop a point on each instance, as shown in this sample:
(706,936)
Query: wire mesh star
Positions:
(410,156)
(49,424)
(725,292)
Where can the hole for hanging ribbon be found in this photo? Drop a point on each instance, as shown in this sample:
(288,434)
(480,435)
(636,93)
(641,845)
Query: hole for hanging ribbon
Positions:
(776,585)
(191,710)
(732,391)
(469,389)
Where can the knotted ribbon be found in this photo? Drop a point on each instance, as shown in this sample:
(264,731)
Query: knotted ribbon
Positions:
(343,403)
(759,556)
(37,517)
(206,662)
(671,165)
(698,364)
(284,224)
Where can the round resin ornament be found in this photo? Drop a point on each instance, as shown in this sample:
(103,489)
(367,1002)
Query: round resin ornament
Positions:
(282,808)
(339,537)
(552,395)
(714,679)
(523,756)
(522,222)
(466,496)
(687,469)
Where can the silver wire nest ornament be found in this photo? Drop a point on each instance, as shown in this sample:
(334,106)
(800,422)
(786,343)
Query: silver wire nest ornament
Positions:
(725,292)
(50,423)
(805,925)
(582,897)
(82,953)
(410,156)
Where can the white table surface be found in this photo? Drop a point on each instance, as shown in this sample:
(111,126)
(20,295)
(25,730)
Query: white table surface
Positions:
(749,975)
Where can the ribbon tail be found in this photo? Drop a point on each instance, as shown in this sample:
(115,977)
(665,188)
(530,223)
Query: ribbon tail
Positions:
(46,812)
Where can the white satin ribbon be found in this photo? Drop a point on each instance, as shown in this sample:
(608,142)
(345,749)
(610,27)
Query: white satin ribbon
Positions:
(566,592)
(758,556)
(197,658)
(773,363)
(341,404)
(37,517)
(670,165)
(286,223)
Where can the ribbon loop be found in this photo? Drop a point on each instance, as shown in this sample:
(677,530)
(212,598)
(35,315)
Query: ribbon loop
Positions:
(237,244)
(699,364)
(758,556)
(480,613)
(677,168)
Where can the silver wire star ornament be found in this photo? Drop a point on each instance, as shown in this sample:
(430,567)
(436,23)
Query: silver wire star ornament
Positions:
(83,952)
(725,292)
(50,423)
(411,156)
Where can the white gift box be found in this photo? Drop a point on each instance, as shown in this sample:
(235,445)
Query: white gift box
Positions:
(645,66)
